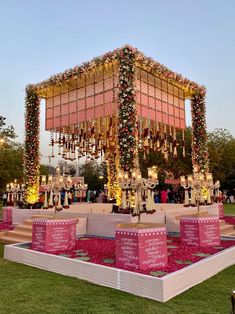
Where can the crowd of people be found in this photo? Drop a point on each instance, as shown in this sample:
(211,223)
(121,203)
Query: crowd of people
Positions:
(169,195)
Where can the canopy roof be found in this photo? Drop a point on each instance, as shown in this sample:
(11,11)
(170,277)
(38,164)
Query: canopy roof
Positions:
(71,75)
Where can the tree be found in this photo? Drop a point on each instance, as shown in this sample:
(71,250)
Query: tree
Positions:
(11,155)
(94,175)
(221,147)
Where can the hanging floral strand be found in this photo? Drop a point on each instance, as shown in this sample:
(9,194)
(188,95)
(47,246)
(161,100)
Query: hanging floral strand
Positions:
(31,153)
(199,135)
(127,114)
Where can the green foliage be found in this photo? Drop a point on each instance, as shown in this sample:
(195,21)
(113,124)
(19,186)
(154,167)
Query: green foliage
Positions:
(11,156)
(44,170)
(94,175)
(221,146)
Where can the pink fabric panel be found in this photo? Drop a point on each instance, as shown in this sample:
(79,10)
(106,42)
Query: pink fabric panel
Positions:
(137,83)
(90,90)
(182,123)
(64,120)
(56,122)
(99,87)
(138,97)
(176,101)
(56,111)
(73,106)
(144,100)
(99,111)
(170,99)
(164,107)
(170,109)
(81,93)
(98,99)
(177,112)
(90,101)
(171,120)
(159,116)
(108,83)
(56,100)
(158,93)
(152,114)
(138,109)
(110,108)
(151,91)
(49,113)
(90,114)
(64,98)
(144,87)
(64,109)
(181,103)
(177,122)
(81,104)
(73,119)
(152,102)
(108,96)
(165,118)
(49,124)
(49,102)
(158,105)
(181,113)
(145,112)
(73,95)
(81,116)
(164,96)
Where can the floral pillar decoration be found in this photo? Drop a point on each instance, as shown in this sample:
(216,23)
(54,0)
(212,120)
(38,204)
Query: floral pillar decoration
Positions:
(127,112)
(199,136)
(31,154)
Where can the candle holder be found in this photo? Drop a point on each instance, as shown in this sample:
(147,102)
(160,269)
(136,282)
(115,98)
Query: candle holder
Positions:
(201,186)
(15,193)
(134,188)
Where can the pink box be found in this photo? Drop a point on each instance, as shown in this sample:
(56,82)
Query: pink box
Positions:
(54,235)
(7,215)
(200,231)
(221,210)
(141,247)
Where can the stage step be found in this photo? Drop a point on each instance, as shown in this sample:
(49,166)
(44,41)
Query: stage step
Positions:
(21,233)
(226,229)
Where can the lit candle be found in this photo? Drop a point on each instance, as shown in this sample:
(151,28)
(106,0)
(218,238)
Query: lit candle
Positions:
(182,179)
(43,179)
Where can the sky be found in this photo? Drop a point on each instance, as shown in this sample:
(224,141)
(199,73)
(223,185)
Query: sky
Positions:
(39,38)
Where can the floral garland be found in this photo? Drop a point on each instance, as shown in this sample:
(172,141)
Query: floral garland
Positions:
(31,154)
(154,66)
(127,113)
(199,135)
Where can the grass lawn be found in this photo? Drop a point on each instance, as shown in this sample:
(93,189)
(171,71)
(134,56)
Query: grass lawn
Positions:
(26,289)
(229,209)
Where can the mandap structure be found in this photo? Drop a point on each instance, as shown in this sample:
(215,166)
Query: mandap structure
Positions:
(112,108)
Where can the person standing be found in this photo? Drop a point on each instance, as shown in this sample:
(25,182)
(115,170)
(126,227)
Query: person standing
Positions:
(164,196)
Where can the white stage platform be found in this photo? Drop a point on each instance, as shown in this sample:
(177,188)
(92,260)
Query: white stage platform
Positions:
(100,220)
(158,289)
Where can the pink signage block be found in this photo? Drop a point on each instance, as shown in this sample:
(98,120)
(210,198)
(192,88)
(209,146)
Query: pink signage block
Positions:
(7,215)
(141,248)
(54,235)
(221,210)
(200,231)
